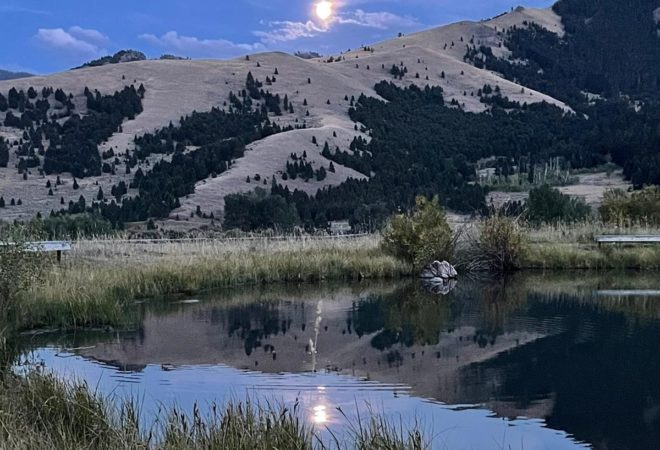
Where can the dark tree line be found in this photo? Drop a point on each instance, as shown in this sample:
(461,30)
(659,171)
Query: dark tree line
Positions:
(71,145)
(420,146)
(74,145)
(611,48)
(221,137)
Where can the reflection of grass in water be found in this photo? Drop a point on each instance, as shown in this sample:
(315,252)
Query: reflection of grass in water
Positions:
(579,289)
(40,411)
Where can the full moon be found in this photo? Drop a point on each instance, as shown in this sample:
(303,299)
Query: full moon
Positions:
(324,9)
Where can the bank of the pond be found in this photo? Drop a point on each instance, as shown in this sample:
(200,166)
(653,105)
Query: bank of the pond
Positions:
(41,411)
(101,278)
(576,256)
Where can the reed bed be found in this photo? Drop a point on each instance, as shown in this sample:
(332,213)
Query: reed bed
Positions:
(100,278)
(40,411)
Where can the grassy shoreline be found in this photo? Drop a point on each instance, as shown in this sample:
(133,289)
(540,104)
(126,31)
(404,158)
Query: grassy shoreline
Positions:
(41,411)
(101,279)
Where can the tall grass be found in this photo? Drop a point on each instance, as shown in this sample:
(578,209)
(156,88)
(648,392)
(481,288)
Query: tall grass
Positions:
(41,411)
(572,246)
(102,277)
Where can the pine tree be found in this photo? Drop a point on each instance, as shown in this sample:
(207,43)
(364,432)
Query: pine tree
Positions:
(99,196)
(50,192)
(332,167)
(75,185)
(2,202)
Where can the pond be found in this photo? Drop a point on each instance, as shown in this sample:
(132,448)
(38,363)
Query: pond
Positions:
(537,361)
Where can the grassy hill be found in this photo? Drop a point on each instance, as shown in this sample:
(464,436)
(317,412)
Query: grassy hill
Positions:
(465,60)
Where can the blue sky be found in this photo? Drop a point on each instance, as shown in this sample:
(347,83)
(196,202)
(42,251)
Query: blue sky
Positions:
(44,36)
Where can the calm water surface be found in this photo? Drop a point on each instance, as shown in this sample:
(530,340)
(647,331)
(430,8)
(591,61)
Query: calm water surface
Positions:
(536,362)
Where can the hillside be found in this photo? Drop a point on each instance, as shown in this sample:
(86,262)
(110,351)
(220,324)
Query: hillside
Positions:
(479,66)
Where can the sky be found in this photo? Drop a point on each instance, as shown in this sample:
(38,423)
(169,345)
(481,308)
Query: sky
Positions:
(46,36)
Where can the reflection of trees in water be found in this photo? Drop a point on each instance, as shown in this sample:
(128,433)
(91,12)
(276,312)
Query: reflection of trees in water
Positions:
(412,316)
(408,316)
(252,322)
(499,299)
(601,372)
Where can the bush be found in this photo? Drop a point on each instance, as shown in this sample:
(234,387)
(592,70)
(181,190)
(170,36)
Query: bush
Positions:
(18,267)
(641,206)
(548,205)
(420,237)
(501,245)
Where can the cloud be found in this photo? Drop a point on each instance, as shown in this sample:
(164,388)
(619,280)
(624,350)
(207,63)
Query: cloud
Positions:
(380,20)
(285,31)
(195,47)
(77,41)
(89,35)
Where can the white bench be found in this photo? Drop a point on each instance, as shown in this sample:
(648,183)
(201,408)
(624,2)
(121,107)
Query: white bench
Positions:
(49,247)
(627,239)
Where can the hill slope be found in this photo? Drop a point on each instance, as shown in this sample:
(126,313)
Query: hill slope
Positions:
(503,64)
(177,88)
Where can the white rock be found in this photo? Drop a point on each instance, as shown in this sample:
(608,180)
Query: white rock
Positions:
(439,270)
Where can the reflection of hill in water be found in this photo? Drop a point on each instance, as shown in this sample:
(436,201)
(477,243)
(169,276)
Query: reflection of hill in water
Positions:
(538,346)
(396,335)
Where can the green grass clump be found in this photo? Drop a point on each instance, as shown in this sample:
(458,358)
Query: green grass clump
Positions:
(41,411)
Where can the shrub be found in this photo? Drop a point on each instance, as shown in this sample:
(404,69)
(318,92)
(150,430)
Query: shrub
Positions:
(641,206)
(421,236)
(548,205)
(18,267)
(500,246)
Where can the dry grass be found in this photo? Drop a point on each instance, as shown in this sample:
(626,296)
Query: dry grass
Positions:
(102,278)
